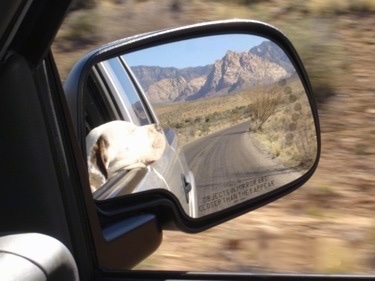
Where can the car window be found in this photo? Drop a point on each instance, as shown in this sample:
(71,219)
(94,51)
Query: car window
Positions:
(108,99)
(98,109)
(133,107)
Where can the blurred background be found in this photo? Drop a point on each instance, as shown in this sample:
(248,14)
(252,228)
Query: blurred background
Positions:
(328,225)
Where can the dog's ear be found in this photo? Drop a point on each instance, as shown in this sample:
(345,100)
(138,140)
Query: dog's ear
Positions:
(99,155)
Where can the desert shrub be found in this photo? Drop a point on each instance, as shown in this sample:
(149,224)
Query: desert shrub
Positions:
(292,126)
(178,125)
(287,90)
(198,119)
(82,29)
(329,7)
(246,111)
(289,137)
(205,128)
(292,98)
(298,107)
(235,110)
(264,106)
(282,83)
(295,116)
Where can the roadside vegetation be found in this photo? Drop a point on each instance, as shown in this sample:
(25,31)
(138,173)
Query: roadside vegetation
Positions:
(282,123)
(194,119)
(279,118)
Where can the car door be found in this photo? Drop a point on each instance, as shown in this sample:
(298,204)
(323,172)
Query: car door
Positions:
(39,203)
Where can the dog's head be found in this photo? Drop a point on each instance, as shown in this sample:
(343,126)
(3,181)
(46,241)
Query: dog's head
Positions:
(119,145)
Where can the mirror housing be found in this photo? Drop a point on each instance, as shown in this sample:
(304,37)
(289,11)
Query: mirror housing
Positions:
(158,201)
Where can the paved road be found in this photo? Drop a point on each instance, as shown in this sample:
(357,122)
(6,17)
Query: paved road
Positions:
(229,168)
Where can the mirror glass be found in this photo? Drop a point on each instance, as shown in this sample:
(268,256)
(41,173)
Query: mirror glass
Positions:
(216,120)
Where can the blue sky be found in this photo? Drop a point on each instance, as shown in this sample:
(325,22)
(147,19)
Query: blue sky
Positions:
(193,52)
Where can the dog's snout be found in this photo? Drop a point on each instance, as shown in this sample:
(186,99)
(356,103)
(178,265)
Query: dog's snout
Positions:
(158,128)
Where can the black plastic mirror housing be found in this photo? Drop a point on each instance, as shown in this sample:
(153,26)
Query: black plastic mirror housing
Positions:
(163,204)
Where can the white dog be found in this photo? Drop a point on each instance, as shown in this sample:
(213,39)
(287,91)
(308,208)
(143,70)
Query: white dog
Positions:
(119,145)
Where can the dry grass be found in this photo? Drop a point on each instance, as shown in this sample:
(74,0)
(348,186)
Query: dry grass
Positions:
(330,7)
(289,132)
(195,119)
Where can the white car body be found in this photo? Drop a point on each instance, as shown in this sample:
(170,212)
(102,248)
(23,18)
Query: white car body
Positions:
(123,97)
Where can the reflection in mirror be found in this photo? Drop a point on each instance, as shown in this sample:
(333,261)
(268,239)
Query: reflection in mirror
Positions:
(235,116)
(120,145)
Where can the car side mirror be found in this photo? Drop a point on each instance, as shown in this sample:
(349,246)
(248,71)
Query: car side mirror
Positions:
(236,112)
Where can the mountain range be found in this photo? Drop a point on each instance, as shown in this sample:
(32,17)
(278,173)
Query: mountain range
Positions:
(261,65)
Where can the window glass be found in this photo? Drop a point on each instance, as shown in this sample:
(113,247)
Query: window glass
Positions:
(133,106)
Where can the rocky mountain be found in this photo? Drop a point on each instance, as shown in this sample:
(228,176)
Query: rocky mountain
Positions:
(236,71)
(175,89)
(263,64)
(148,75)
(270,51)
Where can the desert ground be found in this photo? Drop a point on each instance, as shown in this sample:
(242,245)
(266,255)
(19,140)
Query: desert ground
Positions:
(326,226)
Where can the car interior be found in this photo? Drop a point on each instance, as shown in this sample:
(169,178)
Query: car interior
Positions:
(29,185)
(26,155)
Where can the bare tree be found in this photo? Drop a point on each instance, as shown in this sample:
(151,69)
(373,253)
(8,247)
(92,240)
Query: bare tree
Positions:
(263,107)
